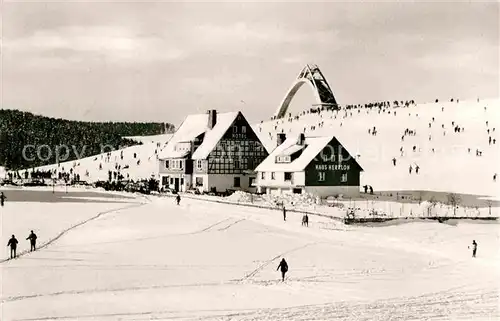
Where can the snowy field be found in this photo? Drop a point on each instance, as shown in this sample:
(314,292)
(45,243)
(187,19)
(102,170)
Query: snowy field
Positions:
(207,261)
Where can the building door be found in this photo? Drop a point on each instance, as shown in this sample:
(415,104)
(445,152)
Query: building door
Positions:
(176,184)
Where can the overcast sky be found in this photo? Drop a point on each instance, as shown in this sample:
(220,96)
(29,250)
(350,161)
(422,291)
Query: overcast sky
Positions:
(161,61)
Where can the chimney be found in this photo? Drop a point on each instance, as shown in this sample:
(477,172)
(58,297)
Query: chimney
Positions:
(212,118)
(301,139)
(280,139)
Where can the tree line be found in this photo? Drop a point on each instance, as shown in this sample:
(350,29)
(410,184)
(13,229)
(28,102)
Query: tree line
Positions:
(21,129)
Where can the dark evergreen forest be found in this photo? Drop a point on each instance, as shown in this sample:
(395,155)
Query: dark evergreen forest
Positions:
(23,131)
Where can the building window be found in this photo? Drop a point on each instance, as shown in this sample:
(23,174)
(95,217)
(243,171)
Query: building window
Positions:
(273,175)
(235,130)
(263,175)
(167,163)
(343,178)
(236,164)
(181,164)
(199,164)
(251,181)
(243,129)
(288,176)
(164,180)
(321,176)
(283,159)
(199,181)
(237,182)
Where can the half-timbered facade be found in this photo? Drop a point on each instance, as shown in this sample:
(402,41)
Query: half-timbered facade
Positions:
(218,152)
(227,158)
(315,165)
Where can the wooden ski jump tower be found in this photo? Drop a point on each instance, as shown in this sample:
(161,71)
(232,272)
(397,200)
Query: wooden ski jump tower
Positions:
(323,94)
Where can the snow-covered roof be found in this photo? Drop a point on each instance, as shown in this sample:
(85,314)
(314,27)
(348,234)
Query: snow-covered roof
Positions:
(213,136)
(291,150)
(178,154)
(192,127)
(314,145)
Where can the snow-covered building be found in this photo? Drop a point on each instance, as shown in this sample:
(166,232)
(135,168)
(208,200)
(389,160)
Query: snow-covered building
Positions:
(212,152)
(315,165)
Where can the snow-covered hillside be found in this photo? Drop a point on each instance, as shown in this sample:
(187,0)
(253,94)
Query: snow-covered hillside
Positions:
(139,162)
(162,138)
(446,158)
(443,155)
(161,261)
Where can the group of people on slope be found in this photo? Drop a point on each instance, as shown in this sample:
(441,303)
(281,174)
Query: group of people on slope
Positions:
(305,218)
(13,244)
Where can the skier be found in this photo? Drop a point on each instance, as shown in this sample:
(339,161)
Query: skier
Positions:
(32,237)
(410,168)
(394,161)
(305,220)
(284,268)
(178,199)
(474,248)
(416,169)
(495,177)
(2,199)
(13,246)
(284,213)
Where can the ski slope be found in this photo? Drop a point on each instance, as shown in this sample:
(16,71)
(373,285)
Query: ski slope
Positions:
(144,154)
(160,261)
(446,165)
(449,168)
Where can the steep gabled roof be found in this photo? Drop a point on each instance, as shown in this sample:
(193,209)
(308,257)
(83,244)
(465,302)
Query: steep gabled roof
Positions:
(289,151)
(191,127)
(213,136)
(313,146)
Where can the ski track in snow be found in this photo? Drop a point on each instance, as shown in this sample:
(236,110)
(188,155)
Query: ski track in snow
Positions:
(148,238)
(65,231)
(466,302)
(266,263)
(134,288)
(436,306)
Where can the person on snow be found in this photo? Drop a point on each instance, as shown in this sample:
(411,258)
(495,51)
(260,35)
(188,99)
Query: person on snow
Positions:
(394,161)
(305,220)
(495,177)
(371,190)
(410,169)
(365,187)
(2,198)
(474,248)
(32,237)
(284,213)
(13,246)
(178,199)
(416,169)
(284,268)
